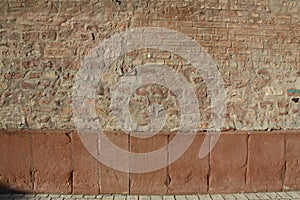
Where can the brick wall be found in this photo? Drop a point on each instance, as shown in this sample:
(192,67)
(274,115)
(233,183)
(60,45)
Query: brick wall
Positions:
(254,44)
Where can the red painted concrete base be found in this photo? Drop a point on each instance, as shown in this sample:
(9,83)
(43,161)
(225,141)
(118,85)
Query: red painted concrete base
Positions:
(53,161)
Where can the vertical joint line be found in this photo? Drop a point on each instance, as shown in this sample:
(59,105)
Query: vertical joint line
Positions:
(284,157)
(209,166)
(99,167)
(247,159)
(168,166)
(71,177)
(129,165)
(32,173)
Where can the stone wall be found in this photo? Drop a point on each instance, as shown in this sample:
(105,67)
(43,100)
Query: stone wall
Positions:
(255,45)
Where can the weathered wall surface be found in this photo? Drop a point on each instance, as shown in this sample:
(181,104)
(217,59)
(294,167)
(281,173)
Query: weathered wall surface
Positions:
(58,162)
(255,45)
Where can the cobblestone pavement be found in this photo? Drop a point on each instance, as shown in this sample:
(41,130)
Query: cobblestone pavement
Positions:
(245,196)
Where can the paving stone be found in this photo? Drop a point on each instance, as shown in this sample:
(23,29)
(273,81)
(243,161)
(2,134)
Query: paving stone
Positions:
(294,194)
(262,196)
(18,195)
(180,197)
(61,198)
(144,197)
(41,195)
(228,197)
(216,197)
(66,196)
(251,196)
(240,197)
(191,197)
(272,195)
(168,197)
(156,197)
(77,196)
(90,196)
(29,195)
(120,197)
(54,196)
(284,195)
(204,197)
(107,197)
(5,196)
(132,197)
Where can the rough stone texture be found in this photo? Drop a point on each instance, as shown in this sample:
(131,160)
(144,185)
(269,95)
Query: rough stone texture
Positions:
(155,182)
(51,153)
(15,162)
(292,157)
(111,180)
(265,162)
(189,173)
(86,168)
(228,162)
(254,44)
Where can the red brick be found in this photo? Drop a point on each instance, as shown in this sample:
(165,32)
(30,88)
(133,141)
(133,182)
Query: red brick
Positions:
(57,53)
(152,182)
(228,162)
(86,168)
(51,161)
(28,64)
(265,161)
(189,30)
(15,172)
(112,180)
(27,85)
(292,174)
(184,23)
(188,174)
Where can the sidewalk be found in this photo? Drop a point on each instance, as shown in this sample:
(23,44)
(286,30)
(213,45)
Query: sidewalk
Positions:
(246,196)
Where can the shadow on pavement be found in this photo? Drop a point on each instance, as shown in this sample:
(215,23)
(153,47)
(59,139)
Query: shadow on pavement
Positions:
(4,189)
